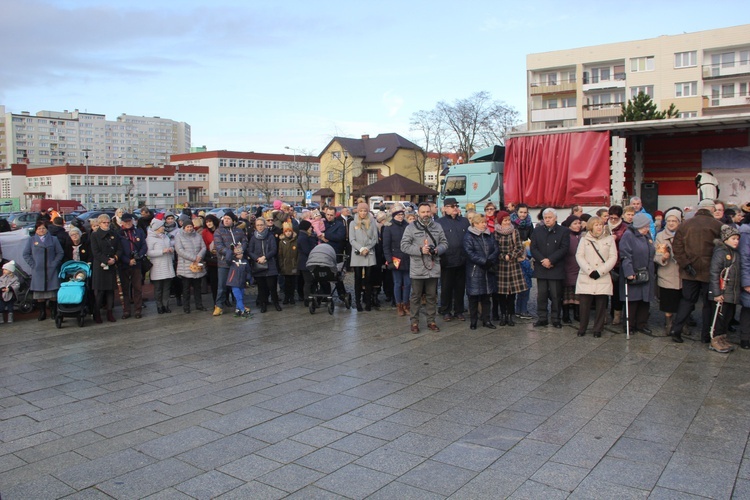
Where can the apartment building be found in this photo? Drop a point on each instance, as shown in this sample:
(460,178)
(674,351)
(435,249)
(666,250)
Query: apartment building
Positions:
(248,178)
(706,73)
(56,138)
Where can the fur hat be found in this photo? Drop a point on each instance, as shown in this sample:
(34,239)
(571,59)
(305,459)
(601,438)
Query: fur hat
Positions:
(728,231)
(10,266)
(641,220)
(156,224)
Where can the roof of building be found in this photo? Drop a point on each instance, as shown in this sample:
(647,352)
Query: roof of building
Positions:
(397,184)
(373,150)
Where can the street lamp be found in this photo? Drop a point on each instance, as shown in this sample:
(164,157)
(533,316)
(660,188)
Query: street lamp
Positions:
(294,163)
(88,188)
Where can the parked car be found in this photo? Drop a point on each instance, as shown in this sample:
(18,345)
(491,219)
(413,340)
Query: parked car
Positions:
(19,220)
(86,217)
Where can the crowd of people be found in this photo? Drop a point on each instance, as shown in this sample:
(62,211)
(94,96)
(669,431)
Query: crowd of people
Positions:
(612,265)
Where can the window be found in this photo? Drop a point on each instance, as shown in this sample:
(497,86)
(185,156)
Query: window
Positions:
(685,59)
(336,155)
(275,178)
(600,75)
(331,177)
(232,177)
(455,186)
(222,177)
(380,150)
(550,104)
(571,76)
(233,163)
(568,102)
(75,180)
(689,114)
(222,162)
(372,178)
(241,163)
(727,90)
(250,177)
(743,89)
(646,89)
(266,164)
(241,178)
(549,79)
(685,89)
(284,179)
(638,64)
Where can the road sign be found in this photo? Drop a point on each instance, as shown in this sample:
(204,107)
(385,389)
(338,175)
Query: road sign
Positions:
(308,195)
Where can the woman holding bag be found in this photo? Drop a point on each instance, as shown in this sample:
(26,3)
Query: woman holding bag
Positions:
(262,249)
(637,271)
(596,257)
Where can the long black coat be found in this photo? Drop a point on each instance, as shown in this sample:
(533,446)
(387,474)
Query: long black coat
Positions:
(550,243)
(392,235)
(104,245)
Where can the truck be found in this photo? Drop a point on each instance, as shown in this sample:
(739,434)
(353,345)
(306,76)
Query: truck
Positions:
(479,181)
(62,206)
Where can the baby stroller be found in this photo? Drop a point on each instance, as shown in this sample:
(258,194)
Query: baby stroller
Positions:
(321,263)
(24,302)
(72,297)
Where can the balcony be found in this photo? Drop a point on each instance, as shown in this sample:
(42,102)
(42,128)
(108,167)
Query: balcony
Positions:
(618,81)
(720,102)
(553,114)
(539,88)
(721,70)
(605,110)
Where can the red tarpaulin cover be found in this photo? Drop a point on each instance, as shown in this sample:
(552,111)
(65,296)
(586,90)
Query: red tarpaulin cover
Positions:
(558,170)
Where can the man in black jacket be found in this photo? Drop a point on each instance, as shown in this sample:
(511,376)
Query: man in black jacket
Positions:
(453,262)
(133,249)
(549,246)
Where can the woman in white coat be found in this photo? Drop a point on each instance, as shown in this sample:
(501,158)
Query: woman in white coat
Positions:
(596,257)
(363,236)
(161,255)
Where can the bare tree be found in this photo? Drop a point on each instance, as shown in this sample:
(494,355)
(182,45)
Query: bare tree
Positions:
(303,170)
(263,184)
(500,122)
(340,168)
(433,132)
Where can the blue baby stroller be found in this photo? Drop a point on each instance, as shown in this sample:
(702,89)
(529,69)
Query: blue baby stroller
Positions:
(72,297)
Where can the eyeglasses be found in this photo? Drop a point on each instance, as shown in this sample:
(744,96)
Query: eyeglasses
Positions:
(489,209)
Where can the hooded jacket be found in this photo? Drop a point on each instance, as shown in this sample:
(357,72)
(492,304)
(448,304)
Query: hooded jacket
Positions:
(725,266)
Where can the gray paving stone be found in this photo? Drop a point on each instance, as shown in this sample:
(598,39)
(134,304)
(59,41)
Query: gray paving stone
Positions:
(179,442)
(437,477)
(286,451)
(208,485)
(358,444)
(38,487)
(221,452)
(314,493)
(354,481)
(468,455)
(495,437)
(402,491)
(291,477)
(326,460)
(584,450)
(150,479)
(249,467)
(239,420)
(254,490)
(699,475)
(418,444)
(97,471)
(531,489)
(641,475)
(489,485)
(390,460)
(641,451)
(332,407)
(319,436)
(520,421)
(560,476)
(281,427)
(596,489)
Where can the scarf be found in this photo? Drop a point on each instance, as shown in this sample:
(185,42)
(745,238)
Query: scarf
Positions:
(669,234)
(261,235)
(615,226)
(521,223)
(499,228)
(474,230)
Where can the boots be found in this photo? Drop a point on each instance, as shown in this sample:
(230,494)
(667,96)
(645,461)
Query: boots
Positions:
(407,308)
(110,316)
(617,320)
(400,310)
(668,324)
(42,311)
(502,320)
(495,309)
(725,342)
(10,317)
(510,320)
(718,346)
(566,314)
(218,311)
(576,312)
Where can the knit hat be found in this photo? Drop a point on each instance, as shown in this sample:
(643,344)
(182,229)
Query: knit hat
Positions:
(168,214)
(304,225)
(641,220)
(501,215)
(276,204)
(706,203)
(658,213)
(184,219)
(398,208)
(673,213)
(10,266)
(231,215)
(126,217)
(156,224)
(728,231)
(570,220)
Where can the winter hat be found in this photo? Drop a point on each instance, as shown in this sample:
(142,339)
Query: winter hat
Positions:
(706,203)
(126,217)
(304,225)
(673,213)
(168,214)
(398,208)
(287,225)
(728,231)
(276,204)
(10,266)
(658,213)
(184,219)
(641,220)
(501,215)
(570,220)
(231,215)
(156,224)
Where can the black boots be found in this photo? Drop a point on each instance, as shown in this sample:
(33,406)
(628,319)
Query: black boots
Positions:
(566,314)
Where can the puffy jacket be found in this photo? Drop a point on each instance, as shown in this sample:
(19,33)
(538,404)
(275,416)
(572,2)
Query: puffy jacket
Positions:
(392,235)
(725,257)
(636,252)
(189,247)
(288,254)
(481,249)
(744,250)
(162,269)
(455,230)
(589,261)
(550,243)
(264,246)
(415,237)
(305,244)
(694,245)
(224,240)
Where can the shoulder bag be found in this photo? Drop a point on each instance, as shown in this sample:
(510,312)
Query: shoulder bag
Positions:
(615,276)
(257,267)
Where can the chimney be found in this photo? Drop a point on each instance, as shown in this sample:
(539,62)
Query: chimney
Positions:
(365,137)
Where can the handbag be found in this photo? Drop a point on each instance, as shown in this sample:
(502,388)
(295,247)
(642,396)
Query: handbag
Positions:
(257,267)
(613,274)
(641,277)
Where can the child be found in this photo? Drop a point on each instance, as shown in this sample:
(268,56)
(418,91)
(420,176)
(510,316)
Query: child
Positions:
(9,287)
(522,301)
(724,285)
(288,256)
(238,272)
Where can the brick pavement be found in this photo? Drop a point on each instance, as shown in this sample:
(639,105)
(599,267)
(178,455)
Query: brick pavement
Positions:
(354,406)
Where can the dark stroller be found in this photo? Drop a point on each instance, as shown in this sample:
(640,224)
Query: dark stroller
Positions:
(322,264)
(72,297)
(24,301)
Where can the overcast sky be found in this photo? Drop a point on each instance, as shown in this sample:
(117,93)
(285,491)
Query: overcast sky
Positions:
(252,75)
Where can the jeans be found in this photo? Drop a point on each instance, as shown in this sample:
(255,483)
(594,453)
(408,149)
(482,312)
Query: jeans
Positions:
(401,286)
(522,302)
(221,291)
(238,297)
(428,286)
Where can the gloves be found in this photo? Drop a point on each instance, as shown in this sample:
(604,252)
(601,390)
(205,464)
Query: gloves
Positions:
(487,265)
(594,275)
(691,270)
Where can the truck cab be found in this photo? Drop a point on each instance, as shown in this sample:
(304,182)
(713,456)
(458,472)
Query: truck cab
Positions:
(479,181)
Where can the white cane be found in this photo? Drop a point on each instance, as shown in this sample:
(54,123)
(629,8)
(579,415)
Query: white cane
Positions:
(716,316)
(627,311)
